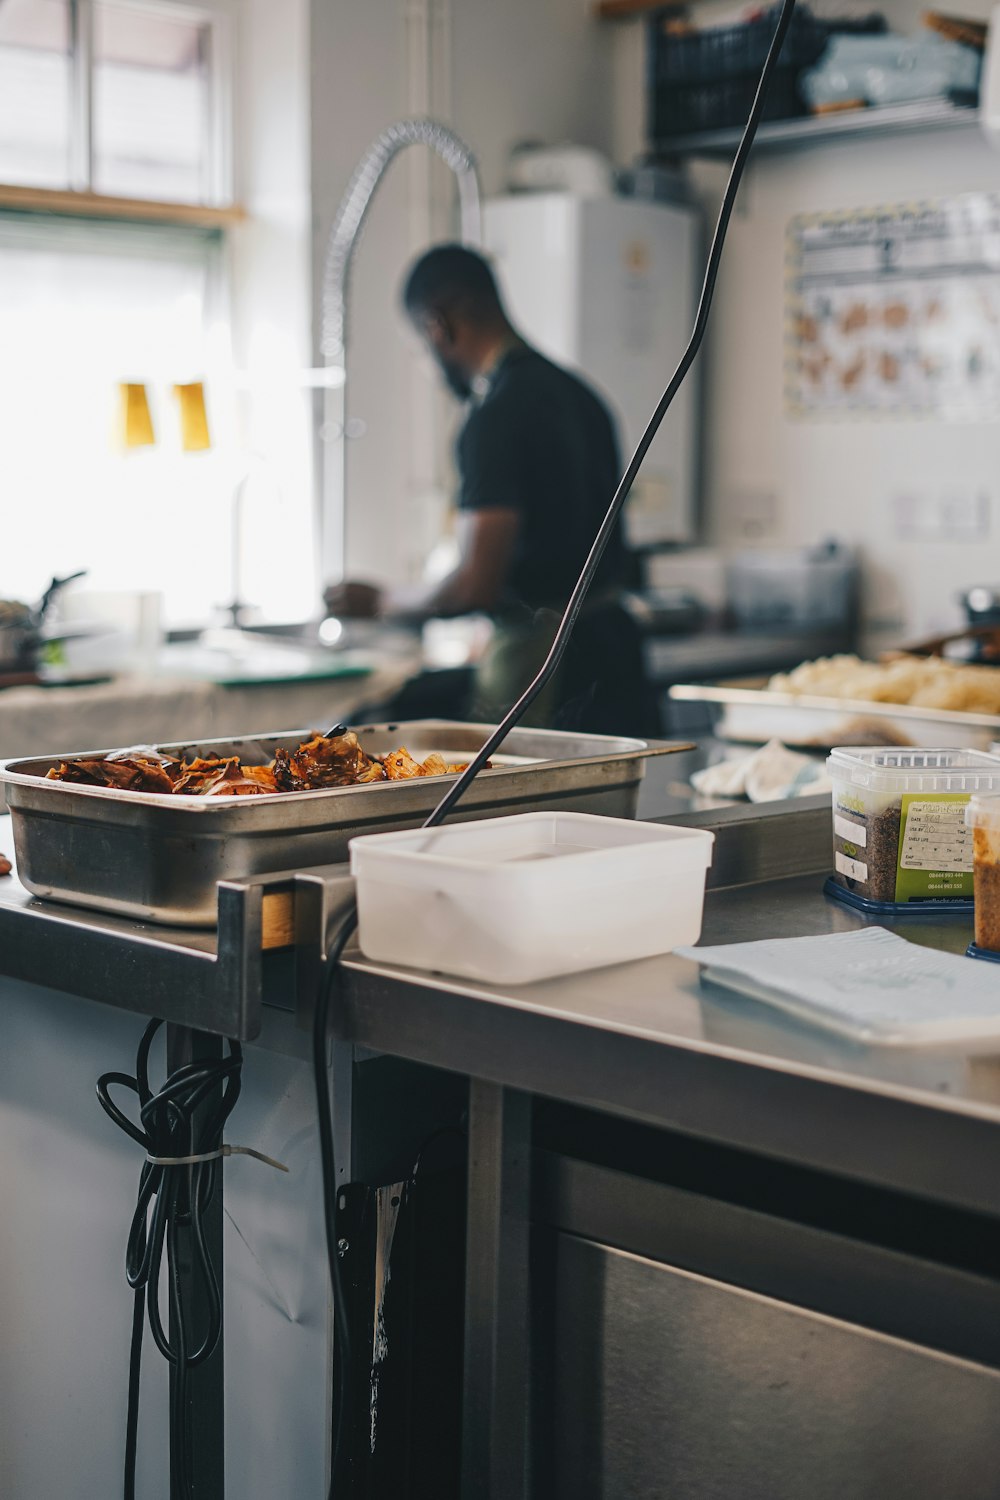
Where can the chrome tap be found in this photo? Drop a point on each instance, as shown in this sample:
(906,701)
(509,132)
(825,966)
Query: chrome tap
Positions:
(347,227)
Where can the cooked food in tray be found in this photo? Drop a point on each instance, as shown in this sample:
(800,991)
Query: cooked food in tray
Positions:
(321,762)
(920,681)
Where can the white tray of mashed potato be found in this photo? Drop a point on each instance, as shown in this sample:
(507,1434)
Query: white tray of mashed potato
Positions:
(926,702)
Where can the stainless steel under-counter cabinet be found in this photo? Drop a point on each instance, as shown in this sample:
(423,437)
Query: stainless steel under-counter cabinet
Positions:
(671,1386)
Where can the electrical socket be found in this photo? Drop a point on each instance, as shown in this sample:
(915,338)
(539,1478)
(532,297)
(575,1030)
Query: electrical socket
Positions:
(955,516)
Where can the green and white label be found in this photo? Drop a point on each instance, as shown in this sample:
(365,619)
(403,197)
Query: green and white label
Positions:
(935,848)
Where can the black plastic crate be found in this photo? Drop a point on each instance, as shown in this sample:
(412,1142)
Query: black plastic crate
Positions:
(682,109)
(730,52)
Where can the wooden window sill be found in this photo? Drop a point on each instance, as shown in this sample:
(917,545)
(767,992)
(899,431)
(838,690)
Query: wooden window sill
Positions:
(101,206)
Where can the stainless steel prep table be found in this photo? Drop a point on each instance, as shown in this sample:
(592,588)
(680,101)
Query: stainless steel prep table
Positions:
(693,1171)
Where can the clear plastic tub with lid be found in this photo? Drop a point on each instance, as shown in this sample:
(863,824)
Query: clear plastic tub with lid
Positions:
(900,838)
(517,899)
(983,818)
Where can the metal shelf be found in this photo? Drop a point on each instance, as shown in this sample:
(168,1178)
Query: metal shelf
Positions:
(816,130)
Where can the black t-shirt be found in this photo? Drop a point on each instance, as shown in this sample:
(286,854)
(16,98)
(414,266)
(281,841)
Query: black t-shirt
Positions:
(541,442)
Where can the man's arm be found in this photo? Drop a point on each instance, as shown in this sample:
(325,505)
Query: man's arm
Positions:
(486,540)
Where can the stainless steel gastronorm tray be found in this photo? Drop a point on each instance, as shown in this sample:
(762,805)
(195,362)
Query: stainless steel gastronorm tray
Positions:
(158,858)
(753,715)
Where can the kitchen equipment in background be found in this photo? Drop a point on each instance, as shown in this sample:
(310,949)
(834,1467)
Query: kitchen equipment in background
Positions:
(111,631)
(455,642)
(698,570)
(352,211)
(516,900)
(989,110)
(607,286)
(982,605)
(883,70)
(795,588)
(18,638)
(706,79)
(560,169)
(666,611)
(971,643)
(22,635)
(238,611)
(656,181)
(977,643)
(158,858)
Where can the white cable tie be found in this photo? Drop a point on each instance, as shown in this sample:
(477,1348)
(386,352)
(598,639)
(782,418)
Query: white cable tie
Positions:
(191,1161)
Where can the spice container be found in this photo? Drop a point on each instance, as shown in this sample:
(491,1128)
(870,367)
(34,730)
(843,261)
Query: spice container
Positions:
(983,817)
(899,833)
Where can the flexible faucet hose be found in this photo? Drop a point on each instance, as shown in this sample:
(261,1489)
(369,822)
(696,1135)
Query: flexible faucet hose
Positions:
(354,206)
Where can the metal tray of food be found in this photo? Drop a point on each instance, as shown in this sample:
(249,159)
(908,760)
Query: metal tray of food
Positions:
(753,715)
(158,858)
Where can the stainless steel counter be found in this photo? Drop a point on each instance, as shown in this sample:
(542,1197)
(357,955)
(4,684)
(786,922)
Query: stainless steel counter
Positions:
(661,1070)
(649,1040)
(645,1039)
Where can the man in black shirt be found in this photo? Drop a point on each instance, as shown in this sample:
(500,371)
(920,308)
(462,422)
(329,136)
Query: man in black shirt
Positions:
(538,463)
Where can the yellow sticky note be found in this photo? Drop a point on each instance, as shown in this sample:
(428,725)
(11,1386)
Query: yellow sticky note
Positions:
(194,418)
(136,422)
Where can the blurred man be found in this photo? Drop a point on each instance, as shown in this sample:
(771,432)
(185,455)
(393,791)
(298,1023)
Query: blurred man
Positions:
(538,464)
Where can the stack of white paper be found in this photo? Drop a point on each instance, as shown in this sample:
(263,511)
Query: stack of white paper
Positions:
(870,985)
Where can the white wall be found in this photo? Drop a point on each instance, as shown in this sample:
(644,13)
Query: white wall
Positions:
(271,266)
(787,480)
(499,73)
(806,479)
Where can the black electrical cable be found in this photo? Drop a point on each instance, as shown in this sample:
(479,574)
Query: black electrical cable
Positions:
(341,1459)
(173,1123)
(579,594)
(340,1456)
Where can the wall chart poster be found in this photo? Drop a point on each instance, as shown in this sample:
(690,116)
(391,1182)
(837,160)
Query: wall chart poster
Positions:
(895,312)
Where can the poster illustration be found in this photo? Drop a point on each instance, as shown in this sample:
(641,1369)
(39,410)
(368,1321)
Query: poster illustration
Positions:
(895,312)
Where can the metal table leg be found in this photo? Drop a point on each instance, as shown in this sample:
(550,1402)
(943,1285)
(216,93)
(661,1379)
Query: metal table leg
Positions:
(206,1382)
(495,1397)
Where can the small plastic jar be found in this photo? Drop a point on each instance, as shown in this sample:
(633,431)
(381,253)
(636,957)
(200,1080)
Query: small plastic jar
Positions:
(983,816)
(900,840)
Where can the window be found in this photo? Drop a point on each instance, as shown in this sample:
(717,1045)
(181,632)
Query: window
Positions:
(122,97)
(36,92)
(84,307)
(135,95)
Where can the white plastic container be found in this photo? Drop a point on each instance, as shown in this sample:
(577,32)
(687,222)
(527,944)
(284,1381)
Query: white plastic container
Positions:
(512,900)
(899,832)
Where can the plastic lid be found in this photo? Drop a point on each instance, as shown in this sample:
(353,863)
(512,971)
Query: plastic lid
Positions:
(983,812)
(908,770)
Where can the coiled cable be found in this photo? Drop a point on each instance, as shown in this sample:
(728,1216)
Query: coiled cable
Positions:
(185,1117)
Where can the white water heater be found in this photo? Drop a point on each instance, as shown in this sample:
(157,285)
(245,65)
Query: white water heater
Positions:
(607,286)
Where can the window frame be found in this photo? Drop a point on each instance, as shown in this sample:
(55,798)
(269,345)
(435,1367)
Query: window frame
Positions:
(218,124)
